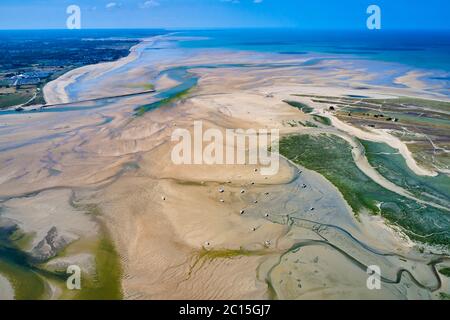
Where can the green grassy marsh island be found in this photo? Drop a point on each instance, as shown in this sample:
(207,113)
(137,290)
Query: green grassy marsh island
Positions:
(331,156)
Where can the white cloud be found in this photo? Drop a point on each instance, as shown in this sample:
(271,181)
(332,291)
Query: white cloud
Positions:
(149,4)
(111,5)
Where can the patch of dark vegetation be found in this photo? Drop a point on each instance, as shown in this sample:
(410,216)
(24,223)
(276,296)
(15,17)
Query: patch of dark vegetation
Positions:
(444,296)
(445,272)
(303,107)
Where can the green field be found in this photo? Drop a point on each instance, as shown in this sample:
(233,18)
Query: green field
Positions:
(30,281)
(144,86)
(14,99)
(106,285)
(140,111)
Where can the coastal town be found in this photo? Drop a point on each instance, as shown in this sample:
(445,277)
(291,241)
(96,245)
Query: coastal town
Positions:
(24,72)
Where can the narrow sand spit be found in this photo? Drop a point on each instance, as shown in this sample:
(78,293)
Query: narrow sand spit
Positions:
(412,80)
(377,135)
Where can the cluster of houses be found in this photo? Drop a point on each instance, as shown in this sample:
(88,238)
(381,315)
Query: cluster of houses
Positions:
(27,78)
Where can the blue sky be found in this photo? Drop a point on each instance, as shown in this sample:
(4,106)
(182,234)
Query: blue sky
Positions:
(305,14)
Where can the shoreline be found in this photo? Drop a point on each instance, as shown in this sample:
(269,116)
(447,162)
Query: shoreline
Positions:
(55,91)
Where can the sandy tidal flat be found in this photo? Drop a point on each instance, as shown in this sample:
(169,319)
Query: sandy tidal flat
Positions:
(288,236)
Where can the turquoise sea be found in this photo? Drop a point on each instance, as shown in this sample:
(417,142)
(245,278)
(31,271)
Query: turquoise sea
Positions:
(400,51)
(421,49)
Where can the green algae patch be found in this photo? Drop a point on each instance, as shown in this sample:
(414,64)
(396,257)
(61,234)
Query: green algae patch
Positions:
(106,283)
(26,282)
(31,281)
(229,253)
(310,124)
(140,111)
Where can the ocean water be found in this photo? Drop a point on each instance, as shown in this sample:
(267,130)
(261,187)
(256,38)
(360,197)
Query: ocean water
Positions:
(429,50)
(419,49)
(64,34)
(386,54)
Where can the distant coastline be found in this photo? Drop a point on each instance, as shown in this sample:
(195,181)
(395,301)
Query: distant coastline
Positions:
(24,76)
(55,91)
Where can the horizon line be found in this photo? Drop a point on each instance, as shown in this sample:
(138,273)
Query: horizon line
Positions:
(225,28)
